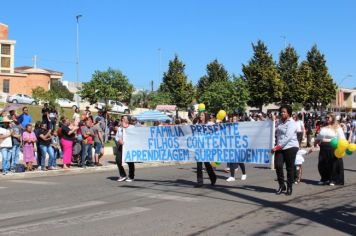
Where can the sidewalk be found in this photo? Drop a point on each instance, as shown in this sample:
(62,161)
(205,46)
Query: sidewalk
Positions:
(107,161)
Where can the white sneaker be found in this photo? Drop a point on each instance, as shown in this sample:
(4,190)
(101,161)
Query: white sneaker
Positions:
(332,184)
(129,180)
(230,179)
(243,177)
(321,183)
(121,179)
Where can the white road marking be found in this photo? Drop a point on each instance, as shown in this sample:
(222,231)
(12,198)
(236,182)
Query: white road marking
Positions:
(2,187)
(23,181)
(166,197)
(69,221)
(59,209)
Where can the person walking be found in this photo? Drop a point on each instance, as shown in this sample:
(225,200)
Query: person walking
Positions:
(29,139)
(331,168)
(68,136)
(5,144)
(119,140)
(286,149)
(203,119)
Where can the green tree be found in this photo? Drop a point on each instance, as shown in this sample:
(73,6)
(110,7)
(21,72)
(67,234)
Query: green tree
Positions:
(60,90)
(158,98)
(107,85)
(140,99)
(239,94)
(215,72)
(305,82)
(175,83)
(262,77)
(323,88)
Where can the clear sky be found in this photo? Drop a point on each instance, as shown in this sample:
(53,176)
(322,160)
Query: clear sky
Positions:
(126,34)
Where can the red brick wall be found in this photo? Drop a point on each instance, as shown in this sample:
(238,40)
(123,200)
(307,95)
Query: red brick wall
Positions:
(25,84)
(4,32)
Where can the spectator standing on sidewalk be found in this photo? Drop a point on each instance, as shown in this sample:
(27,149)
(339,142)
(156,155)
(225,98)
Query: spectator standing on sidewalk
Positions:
(53,117)
(45,115)
(24,119)
(29,139)
(5,144)
(16,142)
(87,142)
(68,131)
(45,146)
(98,141)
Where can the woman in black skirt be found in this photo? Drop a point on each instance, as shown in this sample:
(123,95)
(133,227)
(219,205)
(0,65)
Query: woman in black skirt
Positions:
(331,168)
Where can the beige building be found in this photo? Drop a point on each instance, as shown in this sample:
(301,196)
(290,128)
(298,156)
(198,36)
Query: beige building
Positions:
(345,101)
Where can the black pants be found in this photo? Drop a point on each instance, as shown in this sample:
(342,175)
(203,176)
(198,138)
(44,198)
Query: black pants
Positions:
(309,140)
(330,167)
(285,156)
(119,164)
(209,169)
(39,154)
(234,166)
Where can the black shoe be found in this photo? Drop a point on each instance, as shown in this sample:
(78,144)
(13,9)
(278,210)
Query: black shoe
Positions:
(281,189)
(198,185)
(213,181)
(289,191)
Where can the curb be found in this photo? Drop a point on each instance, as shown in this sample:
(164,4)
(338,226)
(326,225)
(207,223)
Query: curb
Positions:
(76,170)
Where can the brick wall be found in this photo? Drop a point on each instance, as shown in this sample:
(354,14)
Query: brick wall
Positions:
(19,84)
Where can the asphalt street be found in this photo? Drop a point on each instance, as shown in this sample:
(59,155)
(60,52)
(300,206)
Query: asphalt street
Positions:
(162,201)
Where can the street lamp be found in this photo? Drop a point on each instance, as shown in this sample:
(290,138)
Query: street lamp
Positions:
(77,61)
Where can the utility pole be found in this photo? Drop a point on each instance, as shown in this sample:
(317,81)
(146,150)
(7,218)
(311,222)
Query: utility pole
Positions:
(34,59)
(151,85)
(160,63)
(77,61)
(285,40)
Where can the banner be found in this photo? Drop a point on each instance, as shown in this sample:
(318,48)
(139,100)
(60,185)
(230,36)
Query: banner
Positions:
(248,142)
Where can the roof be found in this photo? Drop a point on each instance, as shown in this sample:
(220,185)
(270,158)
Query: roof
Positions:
(29,69)
(166,107)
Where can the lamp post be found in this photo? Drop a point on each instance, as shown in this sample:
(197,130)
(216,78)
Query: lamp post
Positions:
(77,59)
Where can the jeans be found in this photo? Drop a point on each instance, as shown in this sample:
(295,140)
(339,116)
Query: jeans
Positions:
(51,159)
(6,155)
(87,154)
(14,156)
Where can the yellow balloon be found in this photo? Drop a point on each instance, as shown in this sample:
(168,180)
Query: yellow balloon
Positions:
(352,147)
(342,145)
(201,107)
(339,153)
(213,164)
(221,115)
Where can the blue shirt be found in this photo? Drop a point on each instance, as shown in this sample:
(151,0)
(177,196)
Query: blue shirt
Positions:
(287,134)
(24,120)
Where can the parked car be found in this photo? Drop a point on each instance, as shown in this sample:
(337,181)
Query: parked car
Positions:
(64,102)
(21,98)
(114,106)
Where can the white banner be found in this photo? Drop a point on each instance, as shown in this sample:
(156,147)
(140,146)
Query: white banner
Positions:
(248,142)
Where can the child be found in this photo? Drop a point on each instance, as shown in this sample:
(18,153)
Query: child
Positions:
(55,144)
(299,159)
(29,139)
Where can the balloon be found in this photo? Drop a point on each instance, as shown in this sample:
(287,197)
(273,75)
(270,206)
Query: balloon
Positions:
(348,152)
(215,164)
(352,147)
(342,144)
(201,107)
(221,115)
(333,143)
(339,153)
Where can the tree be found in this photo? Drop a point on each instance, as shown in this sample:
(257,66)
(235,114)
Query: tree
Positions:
(158,98)
(175,83)
(107,85)
(323,88)
(215,73)
(60,90)
(263,79)
(304,76)
(231,96)
(140,99)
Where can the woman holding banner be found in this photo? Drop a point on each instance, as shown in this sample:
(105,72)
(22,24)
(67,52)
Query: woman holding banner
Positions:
(286,148)
(119,142)
(203,119)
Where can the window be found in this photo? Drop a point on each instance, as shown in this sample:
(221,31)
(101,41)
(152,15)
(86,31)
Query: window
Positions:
(5,62)
(355,98)
(5,49)
(5,71)
(6,86)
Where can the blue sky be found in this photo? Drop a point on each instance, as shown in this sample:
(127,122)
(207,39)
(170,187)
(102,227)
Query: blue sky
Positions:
(126,34)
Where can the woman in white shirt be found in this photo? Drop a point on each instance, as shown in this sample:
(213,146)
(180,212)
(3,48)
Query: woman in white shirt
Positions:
(331,168)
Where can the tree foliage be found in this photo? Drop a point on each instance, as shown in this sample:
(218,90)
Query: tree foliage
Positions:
(215,73)
(107,85)
(323,88)
(175,83)
(159,98)
(60,90)
(140,99)
(262,77)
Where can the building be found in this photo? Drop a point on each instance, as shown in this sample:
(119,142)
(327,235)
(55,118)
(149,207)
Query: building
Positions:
(345,101)
(20,79)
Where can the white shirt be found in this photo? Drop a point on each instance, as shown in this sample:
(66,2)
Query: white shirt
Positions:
(327,133)
(300,126)
(299,159)
(7,142)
